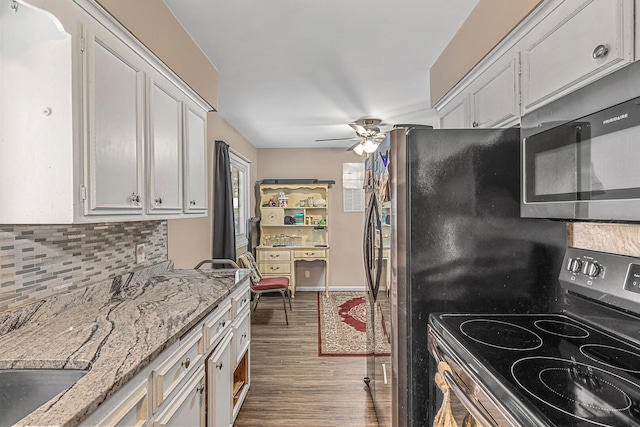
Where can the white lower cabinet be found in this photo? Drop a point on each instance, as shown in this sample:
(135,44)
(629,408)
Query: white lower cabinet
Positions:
(200,380)
(220,384)
(188,406)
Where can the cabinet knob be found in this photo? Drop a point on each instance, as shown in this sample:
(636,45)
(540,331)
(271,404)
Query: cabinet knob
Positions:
(219,365)
(200,388)
(244,335)
(158,200)
(600,51)
(135,198)
(475,124)
(186,363)
(192,202)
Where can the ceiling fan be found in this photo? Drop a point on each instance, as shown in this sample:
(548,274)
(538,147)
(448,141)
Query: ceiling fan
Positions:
(368,136)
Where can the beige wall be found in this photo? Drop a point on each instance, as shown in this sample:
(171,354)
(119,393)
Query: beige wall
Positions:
(190,240)
(153,23)
(489,22)
(345,229)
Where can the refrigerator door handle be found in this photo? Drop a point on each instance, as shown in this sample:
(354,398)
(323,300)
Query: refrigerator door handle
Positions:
(367,244)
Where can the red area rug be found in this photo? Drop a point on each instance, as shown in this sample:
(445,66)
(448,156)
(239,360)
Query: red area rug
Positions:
(342,324)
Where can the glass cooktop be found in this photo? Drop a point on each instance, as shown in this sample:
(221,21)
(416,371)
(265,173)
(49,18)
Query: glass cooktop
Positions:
(571,373)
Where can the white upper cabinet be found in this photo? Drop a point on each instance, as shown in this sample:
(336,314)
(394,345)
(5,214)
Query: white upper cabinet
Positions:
(594,38)
(93,126)
(113,82)
(561,46)
(495,100)
(195,185)
(164,150)
(457,116)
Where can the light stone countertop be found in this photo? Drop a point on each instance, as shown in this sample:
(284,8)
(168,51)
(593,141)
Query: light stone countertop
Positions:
(114,329)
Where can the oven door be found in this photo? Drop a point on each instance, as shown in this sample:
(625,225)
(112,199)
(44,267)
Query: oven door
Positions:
(463,383)
(586,168)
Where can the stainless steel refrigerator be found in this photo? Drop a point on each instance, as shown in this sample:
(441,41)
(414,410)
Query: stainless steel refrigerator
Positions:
(455,243)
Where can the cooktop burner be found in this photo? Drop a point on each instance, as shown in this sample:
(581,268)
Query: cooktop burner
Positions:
(577,389)
(502,335)
(562,329)
(573,373)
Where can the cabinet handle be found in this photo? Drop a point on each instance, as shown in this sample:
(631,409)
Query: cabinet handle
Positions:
(275,268)
(600,51)
(275,256)
(135,198)
(200,389)
(219,365)
(158,200)
(186,363)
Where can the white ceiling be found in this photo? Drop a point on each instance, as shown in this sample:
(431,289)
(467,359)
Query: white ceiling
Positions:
(293,71)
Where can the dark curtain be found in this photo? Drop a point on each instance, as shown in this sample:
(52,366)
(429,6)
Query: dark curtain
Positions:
(224,233)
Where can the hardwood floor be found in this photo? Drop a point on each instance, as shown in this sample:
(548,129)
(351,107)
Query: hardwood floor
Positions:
(290,384)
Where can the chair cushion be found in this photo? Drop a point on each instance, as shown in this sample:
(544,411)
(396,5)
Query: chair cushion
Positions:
(271,283)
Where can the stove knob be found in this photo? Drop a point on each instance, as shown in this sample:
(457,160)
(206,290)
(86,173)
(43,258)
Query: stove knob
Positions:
(575,266)
(593,269)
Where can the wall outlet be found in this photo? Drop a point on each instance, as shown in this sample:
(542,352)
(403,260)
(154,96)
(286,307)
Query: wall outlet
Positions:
(307,274)
(141,253)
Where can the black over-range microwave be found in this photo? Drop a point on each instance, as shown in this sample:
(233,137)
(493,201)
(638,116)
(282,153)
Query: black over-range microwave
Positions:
(580,155)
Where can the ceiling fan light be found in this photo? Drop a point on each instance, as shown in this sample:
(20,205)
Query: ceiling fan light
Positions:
(369,146)
(359,149)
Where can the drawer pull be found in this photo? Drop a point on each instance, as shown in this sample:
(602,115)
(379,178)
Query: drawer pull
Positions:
(200,388)
(309,253)
(186,363)
(224,322)
(244,335)
(244,300)
(275,268)
(600,51)
(219,365)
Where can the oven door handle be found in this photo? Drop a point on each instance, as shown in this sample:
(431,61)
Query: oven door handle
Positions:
(482,418)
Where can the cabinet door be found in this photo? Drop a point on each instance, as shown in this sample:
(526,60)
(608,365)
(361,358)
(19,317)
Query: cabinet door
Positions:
(567,56)
(220,384)
(457,117)
(113,85)
(188,407)
(495,100)
(195,164)
(164,151)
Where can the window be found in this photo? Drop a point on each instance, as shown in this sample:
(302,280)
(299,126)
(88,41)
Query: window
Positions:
(241,190)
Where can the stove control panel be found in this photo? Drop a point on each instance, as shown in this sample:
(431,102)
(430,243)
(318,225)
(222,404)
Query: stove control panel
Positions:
(610,278)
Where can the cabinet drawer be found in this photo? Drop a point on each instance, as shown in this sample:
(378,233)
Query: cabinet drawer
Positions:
(177,366)
(240,301)
(274,255)
(188,406)
(133,411)
(275,268)
(215,325)
(242,336)
(311,253)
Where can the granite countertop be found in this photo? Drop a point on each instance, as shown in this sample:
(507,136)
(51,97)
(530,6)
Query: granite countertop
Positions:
(113,329)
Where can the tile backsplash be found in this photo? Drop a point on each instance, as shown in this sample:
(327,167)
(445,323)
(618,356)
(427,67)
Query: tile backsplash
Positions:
(37,261)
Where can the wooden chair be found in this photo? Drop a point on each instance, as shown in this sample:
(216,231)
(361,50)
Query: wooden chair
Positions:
(262,285)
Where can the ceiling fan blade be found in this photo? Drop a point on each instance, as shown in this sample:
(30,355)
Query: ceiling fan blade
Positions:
(358,128)
(336,139)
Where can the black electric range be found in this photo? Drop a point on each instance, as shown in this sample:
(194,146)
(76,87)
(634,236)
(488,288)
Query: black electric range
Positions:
(580,367)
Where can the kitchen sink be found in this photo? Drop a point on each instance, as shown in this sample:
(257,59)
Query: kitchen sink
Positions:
(22,391)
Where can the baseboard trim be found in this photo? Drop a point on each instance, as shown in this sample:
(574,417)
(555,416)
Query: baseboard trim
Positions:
(331,288)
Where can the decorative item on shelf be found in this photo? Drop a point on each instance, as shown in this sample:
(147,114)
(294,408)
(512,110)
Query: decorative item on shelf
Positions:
(310,201)
(302,203)
(289,220)
(319,203)
(300,218)
(283,200)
